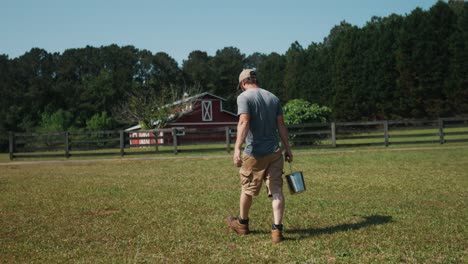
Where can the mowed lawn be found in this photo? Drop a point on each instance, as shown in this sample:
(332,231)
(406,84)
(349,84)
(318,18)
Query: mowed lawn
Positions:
(382,206)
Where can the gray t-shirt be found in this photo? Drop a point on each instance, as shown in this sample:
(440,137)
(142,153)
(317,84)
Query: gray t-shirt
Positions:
(263,108)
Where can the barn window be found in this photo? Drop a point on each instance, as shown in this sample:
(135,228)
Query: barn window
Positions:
(207,111)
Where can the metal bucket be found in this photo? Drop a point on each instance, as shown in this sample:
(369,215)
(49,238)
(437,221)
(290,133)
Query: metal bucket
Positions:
(296,182)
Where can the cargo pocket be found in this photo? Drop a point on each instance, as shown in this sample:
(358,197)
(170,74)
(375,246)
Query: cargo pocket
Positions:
(245,176)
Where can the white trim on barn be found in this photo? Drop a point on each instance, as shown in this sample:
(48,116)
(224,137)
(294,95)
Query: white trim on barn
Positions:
(207,110)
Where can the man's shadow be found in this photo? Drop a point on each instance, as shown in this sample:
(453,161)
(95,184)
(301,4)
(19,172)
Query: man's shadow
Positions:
(368,221)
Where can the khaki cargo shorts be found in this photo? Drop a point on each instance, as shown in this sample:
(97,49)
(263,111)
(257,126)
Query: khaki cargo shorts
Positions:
(256,170)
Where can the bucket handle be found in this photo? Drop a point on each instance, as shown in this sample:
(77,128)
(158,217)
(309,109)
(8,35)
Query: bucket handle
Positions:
(291,167)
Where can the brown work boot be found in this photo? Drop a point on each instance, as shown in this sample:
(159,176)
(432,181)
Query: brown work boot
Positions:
(234,225)
(276,236)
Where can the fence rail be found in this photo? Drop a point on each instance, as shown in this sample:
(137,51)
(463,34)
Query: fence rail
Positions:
(316,135)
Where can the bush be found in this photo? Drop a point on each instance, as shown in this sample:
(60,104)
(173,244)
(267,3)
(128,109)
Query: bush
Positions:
(99,122)
(299,111)
(58,121)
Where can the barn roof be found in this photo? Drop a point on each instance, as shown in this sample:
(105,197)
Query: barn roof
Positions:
(196,97)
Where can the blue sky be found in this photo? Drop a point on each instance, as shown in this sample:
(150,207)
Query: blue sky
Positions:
(178,27)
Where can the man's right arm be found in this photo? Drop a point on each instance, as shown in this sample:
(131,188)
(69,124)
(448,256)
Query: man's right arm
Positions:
(242,131)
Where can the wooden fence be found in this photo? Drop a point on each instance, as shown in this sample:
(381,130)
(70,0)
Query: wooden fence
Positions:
(383,133)
(314,135)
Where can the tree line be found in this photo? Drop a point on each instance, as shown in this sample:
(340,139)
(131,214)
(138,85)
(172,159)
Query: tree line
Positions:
(395,67)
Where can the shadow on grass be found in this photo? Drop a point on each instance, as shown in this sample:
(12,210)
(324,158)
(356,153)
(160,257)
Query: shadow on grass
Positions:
(368,221)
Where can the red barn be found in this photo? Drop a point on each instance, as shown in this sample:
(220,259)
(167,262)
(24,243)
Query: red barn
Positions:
(204,113)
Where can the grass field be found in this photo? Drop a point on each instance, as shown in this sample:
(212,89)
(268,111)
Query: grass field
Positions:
(374,205)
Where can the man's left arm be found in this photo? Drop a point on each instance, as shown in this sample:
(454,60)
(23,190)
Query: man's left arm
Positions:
(284,136)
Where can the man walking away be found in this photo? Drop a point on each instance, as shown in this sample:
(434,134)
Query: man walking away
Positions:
(260,122)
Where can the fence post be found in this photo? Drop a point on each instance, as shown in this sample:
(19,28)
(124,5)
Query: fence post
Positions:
(122,143)
(156,133)
(12,145)
(385,125)
(174,139)
(228,139)
(67,145)
(441,131)
(333,134)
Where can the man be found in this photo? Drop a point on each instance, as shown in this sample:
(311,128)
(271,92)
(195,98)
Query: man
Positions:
(260,117)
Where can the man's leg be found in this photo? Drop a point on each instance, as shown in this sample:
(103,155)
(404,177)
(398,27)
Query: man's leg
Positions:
(278,208)
(251,183)
(240,224)
(278,211)
(274,181)
(245,204)
(275,184)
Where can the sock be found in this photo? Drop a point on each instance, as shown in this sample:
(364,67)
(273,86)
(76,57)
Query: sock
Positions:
(243,221)
(279,227)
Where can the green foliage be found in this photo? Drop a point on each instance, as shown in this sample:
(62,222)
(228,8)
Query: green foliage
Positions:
(271,73)
(293,82)
(58,121)
(226,65)
(198,70)
(100,122)
(148,108)
(299,111)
